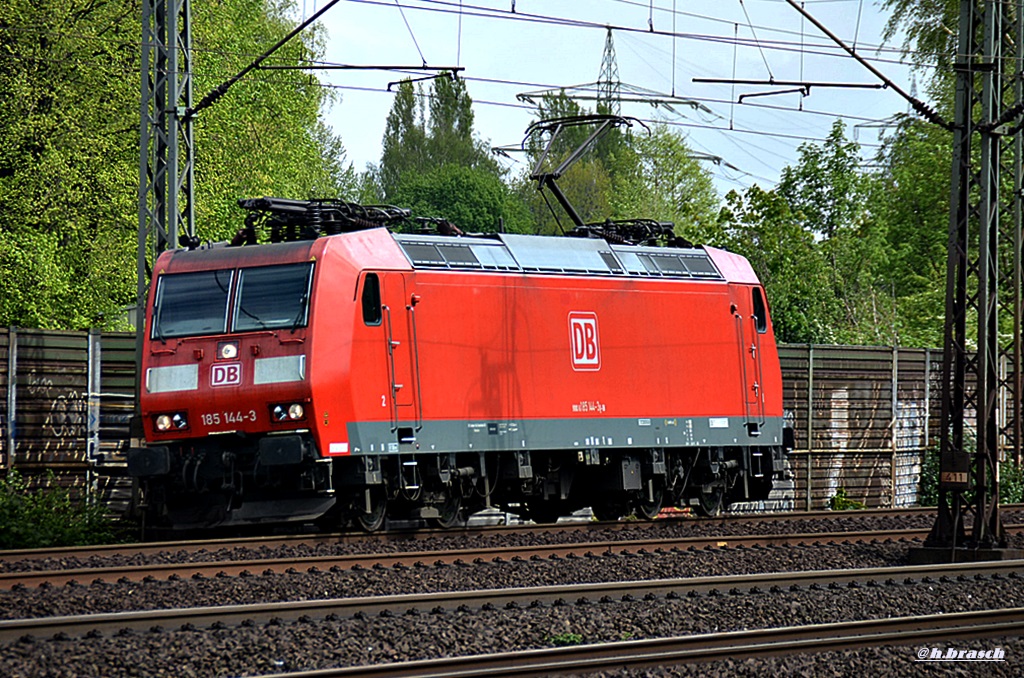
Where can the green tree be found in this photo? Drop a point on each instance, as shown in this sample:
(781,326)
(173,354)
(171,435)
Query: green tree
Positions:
(415,142)
(658,178)
(911,194)
(930,29)
(761,226)
(472,199)
(829,195)
(67,175)
(824,188)
(69,145)
(264,137)
(451,139)
(404,147)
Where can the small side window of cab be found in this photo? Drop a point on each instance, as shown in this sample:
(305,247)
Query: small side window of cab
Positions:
(371,299)
(760,312)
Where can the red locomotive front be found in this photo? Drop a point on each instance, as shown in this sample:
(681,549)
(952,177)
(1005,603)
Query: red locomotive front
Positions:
(225,398)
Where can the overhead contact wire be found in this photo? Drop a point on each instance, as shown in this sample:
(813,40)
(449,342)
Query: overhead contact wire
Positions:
(411,34)
(756,41)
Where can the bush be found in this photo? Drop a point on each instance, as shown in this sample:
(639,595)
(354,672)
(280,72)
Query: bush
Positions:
(45,517)
(840,502)
(1011,481)
(928,483)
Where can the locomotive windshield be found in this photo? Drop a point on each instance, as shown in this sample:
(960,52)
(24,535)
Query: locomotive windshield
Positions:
(272,297)
(192,303)
(269,297)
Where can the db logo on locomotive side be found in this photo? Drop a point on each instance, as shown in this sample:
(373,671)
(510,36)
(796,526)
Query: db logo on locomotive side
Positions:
(226,374)
(583,339)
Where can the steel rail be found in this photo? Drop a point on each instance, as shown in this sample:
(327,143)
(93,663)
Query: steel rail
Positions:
(136,572)
(699,648)
(152,548)
(78,625)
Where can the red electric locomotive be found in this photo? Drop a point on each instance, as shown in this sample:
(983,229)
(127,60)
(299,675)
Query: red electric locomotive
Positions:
(370,373)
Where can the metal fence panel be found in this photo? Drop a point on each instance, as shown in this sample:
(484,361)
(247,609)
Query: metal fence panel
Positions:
(116,399)
(52,388)
(6,395)
(862,416)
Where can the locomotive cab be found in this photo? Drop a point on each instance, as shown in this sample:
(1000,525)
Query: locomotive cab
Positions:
(225,400)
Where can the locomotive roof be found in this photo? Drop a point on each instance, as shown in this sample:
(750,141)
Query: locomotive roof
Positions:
(495,252)
(180,259)
(558,254)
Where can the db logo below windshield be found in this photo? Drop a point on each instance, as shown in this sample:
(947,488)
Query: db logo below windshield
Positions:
(226,374)
(583,339)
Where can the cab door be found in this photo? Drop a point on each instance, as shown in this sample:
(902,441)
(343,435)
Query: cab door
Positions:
(751,318)
(399,320)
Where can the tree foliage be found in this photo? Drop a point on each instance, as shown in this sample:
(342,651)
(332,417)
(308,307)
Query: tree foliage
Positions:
(847,254)
(405,141)
(761,225)
(912,197)
(929,27)
(657,177)
(419,140)
(68,172)
(469,198)
(264,137)
(69,146)
(829,196)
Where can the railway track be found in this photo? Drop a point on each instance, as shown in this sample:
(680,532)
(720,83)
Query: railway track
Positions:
(662,652)
(407,535)
(150,572)
(95,625)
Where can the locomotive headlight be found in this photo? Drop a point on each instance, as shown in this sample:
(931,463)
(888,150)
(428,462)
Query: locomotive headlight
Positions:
(288,412)
(167,422)
(227,350)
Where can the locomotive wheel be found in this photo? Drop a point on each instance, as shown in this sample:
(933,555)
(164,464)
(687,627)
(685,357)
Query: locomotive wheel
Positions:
(609,510)
(649,510)
(545,512)
(711,503)
(374,520)
(450,512)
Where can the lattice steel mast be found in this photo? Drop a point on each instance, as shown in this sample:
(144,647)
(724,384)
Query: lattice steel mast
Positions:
(609,92)
(983,279)
(166,152)
(988,108)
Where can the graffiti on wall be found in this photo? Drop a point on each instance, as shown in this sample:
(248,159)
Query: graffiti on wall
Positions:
(52,420)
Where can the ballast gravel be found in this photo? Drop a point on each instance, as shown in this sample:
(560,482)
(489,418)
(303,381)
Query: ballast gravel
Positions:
(280,647)
(254,649)
(97,597)
(667,529)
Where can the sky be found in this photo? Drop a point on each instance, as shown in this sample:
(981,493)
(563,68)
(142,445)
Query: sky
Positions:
(550,44)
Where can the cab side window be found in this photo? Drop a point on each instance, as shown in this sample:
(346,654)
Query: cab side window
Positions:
(760,312)
(371,299)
